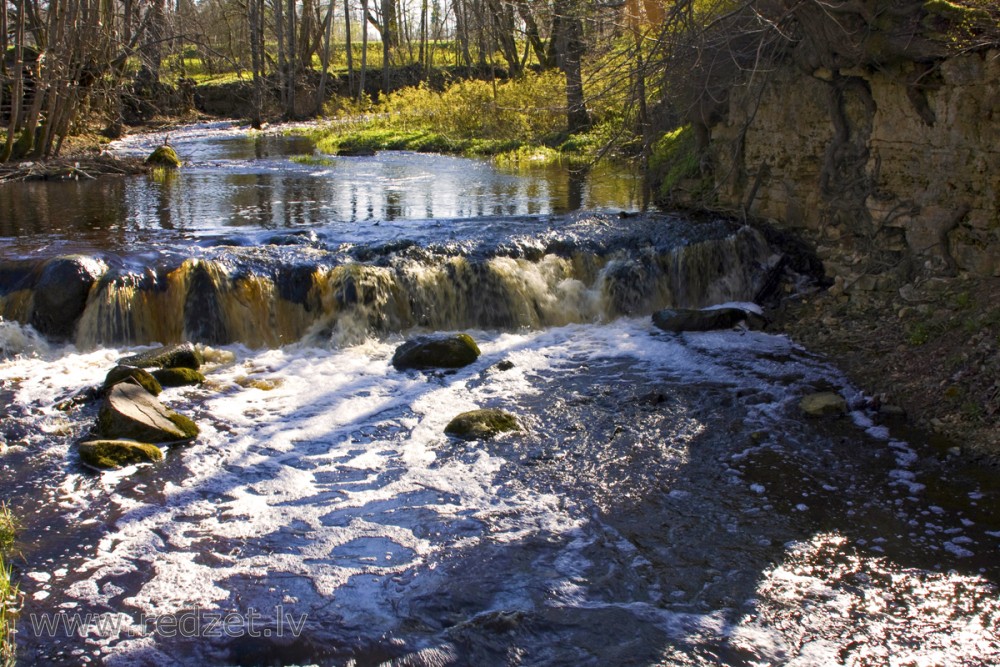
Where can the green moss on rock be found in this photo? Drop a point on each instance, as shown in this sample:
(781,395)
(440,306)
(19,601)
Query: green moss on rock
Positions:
(185,424)
(824,404)
(439,351)
(145,379)
(178,377)
(183,355)
(481,424)
(164,156)
(112,454)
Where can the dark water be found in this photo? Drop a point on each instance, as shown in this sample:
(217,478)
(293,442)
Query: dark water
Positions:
(667,502)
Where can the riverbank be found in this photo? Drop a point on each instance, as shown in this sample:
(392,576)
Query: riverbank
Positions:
(931,348)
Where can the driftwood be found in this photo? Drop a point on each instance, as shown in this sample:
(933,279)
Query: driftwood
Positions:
(78,168)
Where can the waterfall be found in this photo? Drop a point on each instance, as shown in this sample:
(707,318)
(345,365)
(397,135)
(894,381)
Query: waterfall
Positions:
(238,295)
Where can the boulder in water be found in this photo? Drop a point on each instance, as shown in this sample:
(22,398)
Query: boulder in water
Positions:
(164,156)
(824,404)
(117,453)
(129,412)
(145,379)
(437,351)
(178,377)
(708,319)
(481,424)
(184,355)
(60,295)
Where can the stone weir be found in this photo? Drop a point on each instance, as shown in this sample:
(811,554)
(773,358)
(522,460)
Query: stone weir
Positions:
(266,292)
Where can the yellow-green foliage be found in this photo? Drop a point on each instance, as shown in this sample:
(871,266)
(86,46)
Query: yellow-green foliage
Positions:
(674,158)
(8,591)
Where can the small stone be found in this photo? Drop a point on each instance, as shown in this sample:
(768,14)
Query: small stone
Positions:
(438,351)
(504,365)
(111,454)
(823,404)
(481,424)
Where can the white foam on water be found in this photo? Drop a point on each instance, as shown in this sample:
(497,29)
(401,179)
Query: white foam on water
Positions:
(339,479)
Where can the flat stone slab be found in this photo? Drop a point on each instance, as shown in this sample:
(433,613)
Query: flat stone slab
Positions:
(182,355)
(824,404)
(708,319)
(129,412)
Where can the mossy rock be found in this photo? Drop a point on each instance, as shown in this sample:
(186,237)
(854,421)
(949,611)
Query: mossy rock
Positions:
(824,404)
(164,156)
(481,424)
(110,454)
(437,351)
(183,355)
(178,377)
(145,379)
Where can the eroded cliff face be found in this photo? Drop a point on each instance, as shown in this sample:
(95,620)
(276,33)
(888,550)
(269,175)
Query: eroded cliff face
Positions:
(892,170)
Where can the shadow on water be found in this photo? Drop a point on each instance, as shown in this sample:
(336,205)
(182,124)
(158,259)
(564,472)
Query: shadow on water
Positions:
(664,500)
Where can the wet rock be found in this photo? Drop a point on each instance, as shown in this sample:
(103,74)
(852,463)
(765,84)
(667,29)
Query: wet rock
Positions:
(178,377)
(481,424)
(823,404)
(129,412)
(184,355)
(117,453)
(438,351)
(164,156)
(504,365)
(60,294)
(145,379)
(683,319)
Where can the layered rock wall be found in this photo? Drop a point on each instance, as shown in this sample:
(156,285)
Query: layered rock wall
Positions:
(891,169)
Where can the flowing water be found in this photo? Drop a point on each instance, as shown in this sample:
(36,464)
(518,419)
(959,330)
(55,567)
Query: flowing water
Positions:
(666,503)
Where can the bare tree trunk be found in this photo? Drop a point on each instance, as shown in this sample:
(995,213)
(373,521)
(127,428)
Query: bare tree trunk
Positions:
(423,51)
(364,47)
(349,47)
(568,38)
(325,58)
(279,34)
(386,42)
(255,17)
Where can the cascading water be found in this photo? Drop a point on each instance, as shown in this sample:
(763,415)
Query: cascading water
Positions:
(665,503)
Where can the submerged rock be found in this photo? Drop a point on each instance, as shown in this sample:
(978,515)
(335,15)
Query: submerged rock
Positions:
(178,377)
(824,404)
(481,424)
(122,373)
(684,319)
(117,453)
(164,156)
(438,351)
(129,412)
(183,355)
(60,295)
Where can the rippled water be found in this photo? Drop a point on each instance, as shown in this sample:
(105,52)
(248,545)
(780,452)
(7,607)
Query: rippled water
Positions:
(235,181)
(667,502)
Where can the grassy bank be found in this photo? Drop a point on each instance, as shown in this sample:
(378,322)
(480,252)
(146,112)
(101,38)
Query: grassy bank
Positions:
(513,121)
(8,591)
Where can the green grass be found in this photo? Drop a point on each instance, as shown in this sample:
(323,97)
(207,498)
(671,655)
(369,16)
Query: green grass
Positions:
(315,160)
(8,590)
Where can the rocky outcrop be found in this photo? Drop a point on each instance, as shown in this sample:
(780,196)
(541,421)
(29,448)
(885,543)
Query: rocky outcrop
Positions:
(110,454)
(874,130)
(436,351)
(129,412)
(481,424)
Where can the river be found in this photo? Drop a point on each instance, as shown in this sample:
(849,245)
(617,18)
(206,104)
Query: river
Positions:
(667,502)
